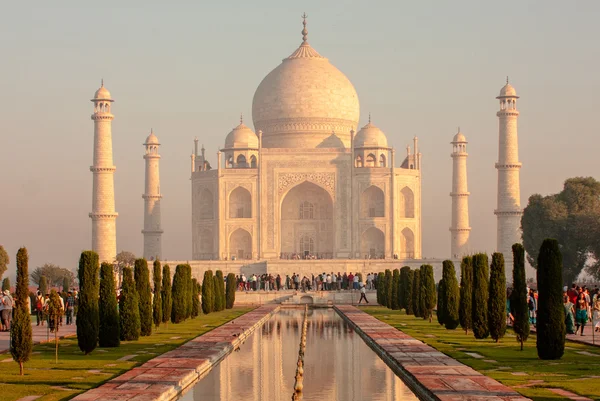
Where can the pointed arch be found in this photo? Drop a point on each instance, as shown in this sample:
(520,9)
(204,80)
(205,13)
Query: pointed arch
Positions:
(206,205)
(407,203)
(370,160)
(372,243)
(240,244)
(359,161)
(241,161)
(382,160)
(253,161)
(240,204)
(407,244)
(372,203)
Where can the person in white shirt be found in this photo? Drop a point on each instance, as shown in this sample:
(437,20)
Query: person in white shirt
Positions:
(363,294)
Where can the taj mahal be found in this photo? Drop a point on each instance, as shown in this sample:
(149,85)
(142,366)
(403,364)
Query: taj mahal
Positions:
(308,182)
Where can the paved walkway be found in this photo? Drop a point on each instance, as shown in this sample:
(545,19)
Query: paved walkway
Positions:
(429,373)
(41,334)
(589,337)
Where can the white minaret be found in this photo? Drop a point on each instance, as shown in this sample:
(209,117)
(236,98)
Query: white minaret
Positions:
(459,230)
(104,217)
(508,166)
(152,231)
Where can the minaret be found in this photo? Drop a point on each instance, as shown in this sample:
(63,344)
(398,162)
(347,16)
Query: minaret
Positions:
(104,229)
(152,231)
(509,210)
(459,230)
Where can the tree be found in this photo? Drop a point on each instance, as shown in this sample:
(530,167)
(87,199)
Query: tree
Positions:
(43,285)
(157,299)
(450,295)
(480,296)
(518,298)
(465,312)
(4,260)
(217,301)
(441,307)
(416,293)
(54,274)
(129,308)
(428,292)
(88,318)
(497,298)
(395,289)
(190,290)
(179,295)
(122,260)
(402,288)
(108,335)
(551,330)
(388,288)
(6,284)
(195,300)
(54,312)
(408,295)
(142,286)
(21,342)
(380,288)
(572,216)
(165,294)
(207,292)
(230,291)
(220,290)
(66,284)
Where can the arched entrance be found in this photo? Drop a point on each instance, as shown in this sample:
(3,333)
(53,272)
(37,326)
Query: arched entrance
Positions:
(307,223)
(240,244)
(372,244)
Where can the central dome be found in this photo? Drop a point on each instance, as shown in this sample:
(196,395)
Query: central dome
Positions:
(305,102)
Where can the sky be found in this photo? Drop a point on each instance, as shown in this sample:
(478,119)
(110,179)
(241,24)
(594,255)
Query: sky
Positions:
(190,68)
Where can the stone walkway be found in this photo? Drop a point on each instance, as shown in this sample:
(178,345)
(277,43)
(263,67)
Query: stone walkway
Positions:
(165,376)
(41,334)
(589,337)
(429,373)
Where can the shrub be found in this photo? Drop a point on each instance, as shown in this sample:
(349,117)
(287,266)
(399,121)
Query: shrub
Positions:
(408,295)
(108,335)
(551,329)
(497,298)
(518,299)
(165,294)
(416,295)
(207,293)
(142,286)
(388,284)
(21,343)
(230,291)
(6,284)
(88,318)
(465,312)
(480,296)
(451,296)
(428,292)
(402,288)
(43,285)
(157,299)
(195,299)
(129,309)
(220,290)
(179,295)
(395,289)
(441,302)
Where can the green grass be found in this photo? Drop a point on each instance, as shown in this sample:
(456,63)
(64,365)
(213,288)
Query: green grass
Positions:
(71,375)
(574,372)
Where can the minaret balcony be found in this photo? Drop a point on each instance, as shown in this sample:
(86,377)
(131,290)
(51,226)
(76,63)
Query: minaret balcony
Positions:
(150,196)
(101,216)
(102,169)
(508,166)
(159,231)
(508,212)
(102,117)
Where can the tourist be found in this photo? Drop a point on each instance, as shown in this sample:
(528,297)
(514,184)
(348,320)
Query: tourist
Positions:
(7,302)
(296,281)
(350,281)
(278,282)
(329,282)
(333,281)
(1,313)
(581,315)
(39,308)
(356,277)
(363,294)
(532,304)
(596,312)
(569,313)
(70,305)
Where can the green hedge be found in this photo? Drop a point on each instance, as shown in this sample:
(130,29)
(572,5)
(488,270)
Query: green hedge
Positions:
(129,309)
(108,335)
(88,318)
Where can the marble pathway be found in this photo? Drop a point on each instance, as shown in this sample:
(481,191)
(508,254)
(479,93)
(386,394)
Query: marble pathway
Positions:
(165,376)
(431,374)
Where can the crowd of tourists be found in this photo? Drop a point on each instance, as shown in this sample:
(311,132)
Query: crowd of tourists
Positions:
(6,306)
(319,282)
(41,308)
(581,306)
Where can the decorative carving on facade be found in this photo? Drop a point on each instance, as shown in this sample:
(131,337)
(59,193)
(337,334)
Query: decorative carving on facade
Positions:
(327,180)
(306,125)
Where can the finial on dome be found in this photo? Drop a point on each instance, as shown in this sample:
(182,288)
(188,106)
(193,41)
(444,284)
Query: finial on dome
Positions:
(241,118)
(369,117)
(507,79)
(304,31)
(102,82)
(152,130)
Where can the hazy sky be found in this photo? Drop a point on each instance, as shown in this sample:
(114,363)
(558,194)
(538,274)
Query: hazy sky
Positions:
(190,68)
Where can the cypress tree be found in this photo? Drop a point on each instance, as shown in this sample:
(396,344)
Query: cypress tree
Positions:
(195,300)
(207,293)
(451,296)
(230,291)
(395,289)
(6,284)
(416,295)
(157,299)
(402,288)
(441,293)
(21,342)
(518,299)
(129,309)
(388,288)
(165,294)
(179,295)
(108,335)
(216,296)
(88,318)
(497,298)
(465,312)
(43,285)
(551,329)
(221,290)
(142,286)
(380,288)
(428,292)
(408,294)
(480,296)
(66,284)
(189,290)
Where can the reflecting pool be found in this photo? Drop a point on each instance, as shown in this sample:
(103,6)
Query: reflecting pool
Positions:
(338,365)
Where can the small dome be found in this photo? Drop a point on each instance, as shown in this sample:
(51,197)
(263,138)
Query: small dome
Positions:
(507,91)
(241,137)
(152,139)
(102,94)
(370,136)
(459,137)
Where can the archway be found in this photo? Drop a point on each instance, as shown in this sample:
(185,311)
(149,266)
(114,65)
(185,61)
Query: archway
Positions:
(206,211)
(407,245)
(240,204)
(240,244)
(307,216)
(372,203)
(407,203)
(372,244)
(205,245)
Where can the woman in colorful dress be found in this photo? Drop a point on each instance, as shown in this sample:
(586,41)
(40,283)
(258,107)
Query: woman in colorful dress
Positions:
(569,315)
(581,312)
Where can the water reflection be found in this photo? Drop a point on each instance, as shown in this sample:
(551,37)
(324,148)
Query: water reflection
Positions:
(338,365)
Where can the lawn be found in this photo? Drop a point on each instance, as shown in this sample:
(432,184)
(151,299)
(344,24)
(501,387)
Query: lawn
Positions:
(76,373)
(578,371)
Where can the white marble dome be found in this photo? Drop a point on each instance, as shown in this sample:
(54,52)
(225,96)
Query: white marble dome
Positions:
(370,136)
(152,139)
(241,137)
(102,94)
(459,137)
(508,91)
(305,102)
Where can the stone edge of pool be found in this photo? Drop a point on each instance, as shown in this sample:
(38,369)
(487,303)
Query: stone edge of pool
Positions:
(430,374)
(163,378)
